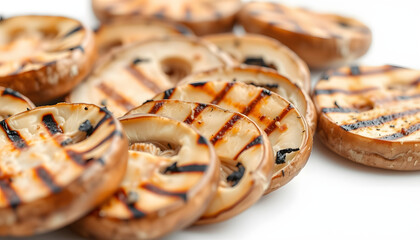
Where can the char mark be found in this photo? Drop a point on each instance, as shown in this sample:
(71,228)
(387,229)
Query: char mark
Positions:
(115,96)
(268,86)
(228,125)
(47,179)
(168,93)
(197,111)
(272,126)
(236,176)
(140,60)
(325,76)
(219,97)
(281,154)
(50,123)
(259,61)
(73,31)
(86,127)
(355,70)
(77,47)
(403,133)
(386,69)
(347,92)
(156,107)
(339,110)
(256,141)
(13,136)
(197,84)
(129,203)
(139,76)
(183,30)
(163,192)
(160,14)
(202,140)
(107,138)
(9,193)
(174,168)
(248,109)
(188,14)
(11,92)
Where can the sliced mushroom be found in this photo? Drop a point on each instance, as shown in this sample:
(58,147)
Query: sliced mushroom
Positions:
(123,32)
(12,102)
(287,130)
(321,40)
(44,57)
(172,175)
(56,164)
(371,115)
(202,16)
(242,147)
(252,49)
(136,73)
(262,77)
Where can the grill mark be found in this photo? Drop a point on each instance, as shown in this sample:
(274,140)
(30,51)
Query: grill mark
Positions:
(197,84)
(258,61)
(156,107)
(160,14)
(197,111)
(219,97)
(386,69)
(115,96)
(107,116)
(76,157)
(248,109)
(107,138)
(51,125)
(403,133)
(339,110)
(159,191)
(188,14)
(378,121)
(174,168)
(265,85)
(13,93)
(123,198)
(73,31)
(256,141)
(168,93)
(325,76)
(77,47)
(139,76)
(13,136)
(355,70)
(202,140)
(347,92)
(272,126)
(10,193)
(227,126)
(281,154)
(47,179)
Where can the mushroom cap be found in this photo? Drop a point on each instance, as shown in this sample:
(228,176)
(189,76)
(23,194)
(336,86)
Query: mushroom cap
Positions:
(171,177)
(44,57)
(321,40)
(370,115)
(137,72)
(240,145)
(253,49)
(287,130)
(126,31)
(202,16)
(12,102)
(262,77)
(57,164)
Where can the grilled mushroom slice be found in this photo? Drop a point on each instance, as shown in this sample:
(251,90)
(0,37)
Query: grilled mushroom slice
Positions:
(172,175)
(137,72)
(44,57)
(242,147)
(266,78)
(119,33)
(12,102)
(253,49)
(321,40)
(371,115)
(287,130)
(202,16)
(56,164)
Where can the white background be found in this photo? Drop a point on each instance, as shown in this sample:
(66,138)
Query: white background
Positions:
(332,198)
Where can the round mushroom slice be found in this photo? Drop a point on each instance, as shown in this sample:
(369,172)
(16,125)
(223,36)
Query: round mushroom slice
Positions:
(287,130)
(12,102)
(137,72)
(171,177)
(44,57)
(252,49)
(242,147)
(57,163)
(266,78)
(321,40)
(202,16)
(120,33)
(371,115)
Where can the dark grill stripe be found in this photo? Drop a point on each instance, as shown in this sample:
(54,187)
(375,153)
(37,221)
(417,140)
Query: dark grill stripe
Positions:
(13,136)
(403,133)
(228,125)
(378,121)
(107,138)
(138,75)
(270,128)
(339,110)
(73,31)
(156,107)
(248,109)
(256,141)
(13,93)
(168,93)
(115,96)
(160,191)
(174,168)
(347,92)
(219,97)
(107,116)
(47,179)
(9,193)
(135,212)
(50,123)
(197,110)
(387,68)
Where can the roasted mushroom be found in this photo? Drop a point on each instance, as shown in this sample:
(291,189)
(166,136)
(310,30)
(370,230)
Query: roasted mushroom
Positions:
(44,57)
(321,40)
(371,115)
(262,77)
(137,72)
(242,147)
(202,16)
(171,177)
(287,130)
(57,163)
(12,102)
(252,49)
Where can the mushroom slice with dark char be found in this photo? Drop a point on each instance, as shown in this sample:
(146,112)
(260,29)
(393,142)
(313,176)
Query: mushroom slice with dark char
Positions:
(371,115)
(135,73)
(44,57)
(53,171)
(172,176)
(12,102)
(286,128)
(243,148)
(253,49)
